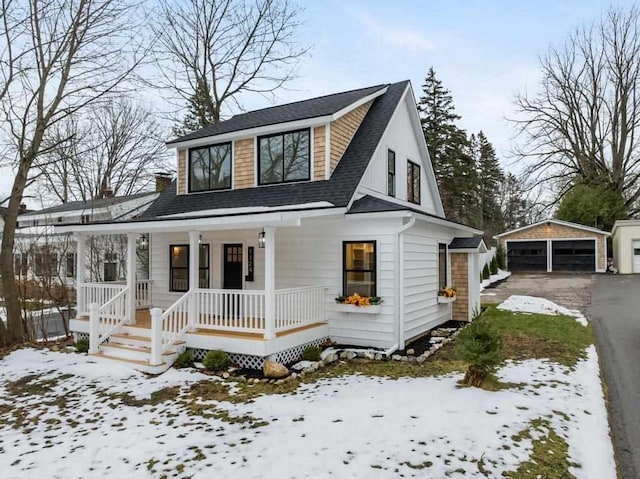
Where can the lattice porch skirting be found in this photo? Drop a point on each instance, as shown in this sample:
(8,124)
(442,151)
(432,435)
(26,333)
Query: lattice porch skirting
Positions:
(256,362)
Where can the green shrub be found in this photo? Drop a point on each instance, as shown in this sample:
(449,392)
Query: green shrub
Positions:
(312,353)
(501,257)
(494,265)
(82,345)
(184,360)
(216,361)
(480,345)
(486,274)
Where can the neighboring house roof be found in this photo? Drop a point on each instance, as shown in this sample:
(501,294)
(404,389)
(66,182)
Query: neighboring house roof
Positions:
(89,205)
(337,190)
(557,222)
(300,110)
(466,243)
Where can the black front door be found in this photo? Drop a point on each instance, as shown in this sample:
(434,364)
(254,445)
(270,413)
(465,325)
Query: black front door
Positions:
(232,266)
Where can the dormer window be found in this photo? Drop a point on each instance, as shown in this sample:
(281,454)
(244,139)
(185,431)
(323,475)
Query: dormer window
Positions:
(210,168)
(284,157)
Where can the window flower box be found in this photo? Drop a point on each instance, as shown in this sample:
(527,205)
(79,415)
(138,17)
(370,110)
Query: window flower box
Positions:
(358,304)
(446,295)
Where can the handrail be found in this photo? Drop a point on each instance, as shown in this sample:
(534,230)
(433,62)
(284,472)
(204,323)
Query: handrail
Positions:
(175,322)
(118,316)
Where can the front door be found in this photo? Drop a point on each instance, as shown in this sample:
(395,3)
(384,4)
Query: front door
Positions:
(232,266)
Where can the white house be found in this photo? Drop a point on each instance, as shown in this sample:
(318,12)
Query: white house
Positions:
(274,214)
(626,246)
(42,252)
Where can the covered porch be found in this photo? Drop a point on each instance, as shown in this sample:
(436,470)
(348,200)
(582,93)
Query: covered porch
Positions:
(243,313)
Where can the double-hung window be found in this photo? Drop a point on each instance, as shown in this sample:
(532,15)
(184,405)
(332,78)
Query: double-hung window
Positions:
(413,182)
(442,266)
(284,157)
(391,173)
(210,168)
(359,275)
(179,267)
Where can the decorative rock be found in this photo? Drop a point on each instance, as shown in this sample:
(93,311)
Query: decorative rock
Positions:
(241,379)
(225,375)
(331,358)
(396,357)
(350,355)
(343,354)
(411,352)
(421,359)
(272,369)
(404,359)
(293,376)
(378,357)
(369,355)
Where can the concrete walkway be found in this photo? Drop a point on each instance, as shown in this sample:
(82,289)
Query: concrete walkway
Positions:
(615,315)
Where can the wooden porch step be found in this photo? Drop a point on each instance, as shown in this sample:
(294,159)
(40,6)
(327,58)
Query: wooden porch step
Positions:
(133,337)
(125,360)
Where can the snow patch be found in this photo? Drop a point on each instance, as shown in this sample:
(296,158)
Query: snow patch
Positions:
(532,304)
(494,278)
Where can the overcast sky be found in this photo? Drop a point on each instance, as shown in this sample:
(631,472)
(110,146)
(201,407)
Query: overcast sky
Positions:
(485,51)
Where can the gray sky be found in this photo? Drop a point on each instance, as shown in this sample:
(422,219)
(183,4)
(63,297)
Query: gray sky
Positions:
(484,52)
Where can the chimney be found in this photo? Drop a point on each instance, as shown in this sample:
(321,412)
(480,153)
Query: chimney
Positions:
(107,192)
(163,181)
(22,209)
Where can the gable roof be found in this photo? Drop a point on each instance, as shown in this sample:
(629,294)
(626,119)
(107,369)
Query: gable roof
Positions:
(337,190)
(557,222)
(299,110)
(87,205)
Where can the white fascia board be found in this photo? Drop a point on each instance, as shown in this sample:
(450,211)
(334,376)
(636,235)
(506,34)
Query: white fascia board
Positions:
(557,222)
(407,214)
(359,103)
(242,221)
(251,132)
(251,209)
(365,191)
(623,223)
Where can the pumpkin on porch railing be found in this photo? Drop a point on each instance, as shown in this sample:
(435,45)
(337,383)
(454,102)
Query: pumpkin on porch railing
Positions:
(357,300)
(447,292)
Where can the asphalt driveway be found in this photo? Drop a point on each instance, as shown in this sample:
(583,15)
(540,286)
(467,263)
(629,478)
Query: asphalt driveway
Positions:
(615,315)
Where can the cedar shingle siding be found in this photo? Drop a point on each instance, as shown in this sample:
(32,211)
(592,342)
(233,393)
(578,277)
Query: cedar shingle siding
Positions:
(182,172)
(460,282)
(319,149)
(243,164)
(342,131)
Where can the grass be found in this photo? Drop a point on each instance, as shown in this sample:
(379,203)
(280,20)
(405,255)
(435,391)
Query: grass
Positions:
(558,338)
(549,457)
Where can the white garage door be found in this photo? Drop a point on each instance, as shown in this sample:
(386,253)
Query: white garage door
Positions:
(636,256)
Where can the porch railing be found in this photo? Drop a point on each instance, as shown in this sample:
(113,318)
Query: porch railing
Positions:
(230,310)
(97,293)
(296,307)
(143,293)
(170,326)
(105,319)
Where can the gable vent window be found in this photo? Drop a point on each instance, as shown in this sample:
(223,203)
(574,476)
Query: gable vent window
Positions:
(210,168)
(391,173)
(284,157)
(413,182)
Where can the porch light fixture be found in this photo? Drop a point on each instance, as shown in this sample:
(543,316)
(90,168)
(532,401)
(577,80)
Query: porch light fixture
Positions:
(143,242)
(261,239)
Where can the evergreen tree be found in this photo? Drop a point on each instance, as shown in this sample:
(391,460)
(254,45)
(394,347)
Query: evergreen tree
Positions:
(514,205)
(490,177)
(201,111)
(448,148)
(592,204)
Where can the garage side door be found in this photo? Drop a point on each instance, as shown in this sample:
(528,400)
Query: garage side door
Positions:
(527,255)
(575,255)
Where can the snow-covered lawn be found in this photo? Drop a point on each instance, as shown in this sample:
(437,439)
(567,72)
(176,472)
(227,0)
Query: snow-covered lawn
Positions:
(109,421)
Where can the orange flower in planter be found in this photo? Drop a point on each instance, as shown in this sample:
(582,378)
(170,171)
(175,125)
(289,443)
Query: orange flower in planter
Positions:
(447,292)
(357,300)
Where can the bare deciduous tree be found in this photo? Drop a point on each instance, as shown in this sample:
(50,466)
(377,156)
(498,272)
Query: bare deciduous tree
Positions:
(116,147)
(583,123)
(66,55)
(211,51)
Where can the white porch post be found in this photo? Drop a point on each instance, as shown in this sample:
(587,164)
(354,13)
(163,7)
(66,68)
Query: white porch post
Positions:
(131,277)
(269,282)
(81,257)
(194,273)
(94,327)
(156,337)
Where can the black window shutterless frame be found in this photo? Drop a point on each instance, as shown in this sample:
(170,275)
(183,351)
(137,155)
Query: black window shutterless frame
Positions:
(283,134)
(345,271)
(190,166)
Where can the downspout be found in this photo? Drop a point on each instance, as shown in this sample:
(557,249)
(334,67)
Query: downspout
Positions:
(399,287)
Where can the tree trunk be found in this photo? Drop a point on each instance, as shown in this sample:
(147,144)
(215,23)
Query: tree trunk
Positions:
(15,331)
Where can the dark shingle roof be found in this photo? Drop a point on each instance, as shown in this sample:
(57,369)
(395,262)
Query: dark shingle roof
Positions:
(466,243)
(89,205)
(337,190)
(300,110)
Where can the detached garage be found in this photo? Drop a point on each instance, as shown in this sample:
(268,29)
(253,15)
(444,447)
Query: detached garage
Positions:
(626,246)
(554,245)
